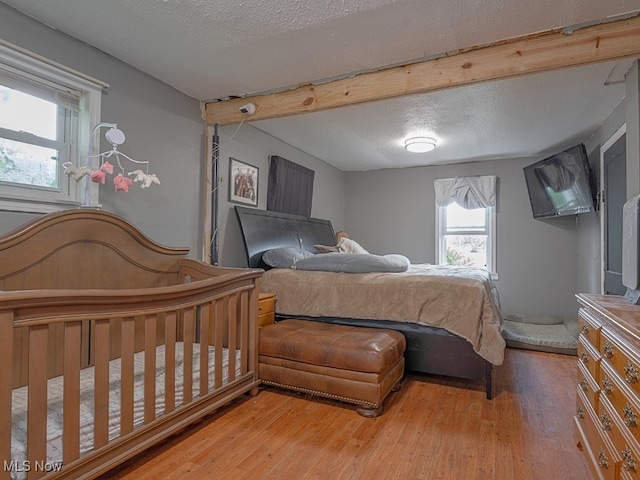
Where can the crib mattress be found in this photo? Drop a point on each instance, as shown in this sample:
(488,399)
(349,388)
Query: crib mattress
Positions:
(55,401)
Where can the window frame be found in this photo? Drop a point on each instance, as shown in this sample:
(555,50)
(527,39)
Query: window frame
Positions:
(34,199)
(490,231)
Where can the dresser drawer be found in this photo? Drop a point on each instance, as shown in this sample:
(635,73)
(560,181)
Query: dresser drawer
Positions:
(584,416)
(588,385)
(589,327)
(266,303)
(266,309)
(621,357)
(266,319)
(600,451)
(621,398)
(589,357)
(626,448)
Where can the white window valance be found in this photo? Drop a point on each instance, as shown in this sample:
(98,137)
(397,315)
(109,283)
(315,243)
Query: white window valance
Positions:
(468,192)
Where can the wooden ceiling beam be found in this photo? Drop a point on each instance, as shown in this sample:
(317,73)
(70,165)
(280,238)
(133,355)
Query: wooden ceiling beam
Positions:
(510,58)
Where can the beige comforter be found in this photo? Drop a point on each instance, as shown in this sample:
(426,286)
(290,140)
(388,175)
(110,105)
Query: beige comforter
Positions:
(461,300)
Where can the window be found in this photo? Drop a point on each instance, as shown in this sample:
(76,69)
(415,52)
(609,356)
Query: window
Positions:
(466,236)
(46,113)
(465,222)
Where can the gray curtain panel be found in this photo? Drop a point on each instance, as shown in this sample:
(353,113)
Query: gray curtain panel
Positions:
(290,187)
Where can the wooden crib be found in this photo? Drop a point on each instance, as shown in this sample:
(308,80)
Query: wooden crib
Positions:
(110,342)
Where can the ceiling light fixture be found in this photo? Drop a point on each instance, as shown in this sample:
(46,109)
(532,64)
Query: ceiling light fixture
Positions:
(420,144)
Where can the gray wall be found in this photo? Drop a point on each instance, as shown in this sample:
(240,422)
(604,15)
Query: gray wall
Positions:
(589,228)
(589,238)
(251,145)
(633,131)
(394,211)
(162,126)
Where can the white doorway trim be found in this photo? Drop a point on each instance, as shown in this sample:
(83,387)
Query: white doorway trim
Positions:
(606,146)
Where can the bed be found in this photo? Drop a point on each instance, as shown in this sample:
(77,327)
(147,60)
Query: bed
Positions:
(112,342)
(450,316)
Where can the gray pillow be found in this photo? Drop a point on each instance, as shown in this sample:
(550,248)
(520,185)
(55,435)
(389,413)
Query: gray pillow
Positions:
(353,263)
(284,257)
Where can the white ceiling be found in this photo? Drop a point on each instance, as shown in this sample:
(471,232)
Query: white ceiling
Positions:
(219,49)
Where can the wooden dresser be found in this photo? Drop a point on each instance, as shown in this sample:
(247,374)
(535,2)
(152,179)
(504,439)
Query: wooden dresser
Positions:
(608,388)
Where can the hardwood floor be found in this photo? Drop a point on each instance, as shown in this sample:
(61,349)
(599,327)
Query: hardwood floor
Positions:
(432,428)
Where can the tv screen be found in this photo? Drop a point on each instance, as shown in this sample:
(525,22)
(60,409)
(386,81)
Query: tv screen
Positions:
(560,185)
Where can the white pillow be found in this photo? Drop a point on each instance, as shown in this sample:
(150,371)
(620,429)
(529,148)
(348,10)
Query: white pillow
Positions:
(326,248)
(346,245)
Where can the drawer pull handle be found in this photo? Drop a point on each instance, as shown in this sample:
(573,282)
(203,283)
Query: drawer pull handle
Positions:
(631,373)
(607,387)
(584,357)
(630,419)
(585,329)
(608,350)
(584,385)
(603,461)
(580,411)
(628,462)
(605,421)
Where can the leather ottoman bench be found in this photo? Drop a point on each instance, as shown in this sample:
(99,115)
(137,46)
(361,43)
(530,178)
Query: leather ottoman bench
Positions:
(353,364)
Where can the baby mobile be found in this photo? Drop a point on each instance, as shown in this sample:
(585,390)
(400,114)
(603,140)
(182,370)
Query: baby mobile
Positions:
(122,180)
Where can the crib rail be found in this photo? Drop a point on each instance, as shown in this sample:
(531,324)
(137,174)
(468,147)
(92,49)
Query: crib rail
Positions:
(46,335)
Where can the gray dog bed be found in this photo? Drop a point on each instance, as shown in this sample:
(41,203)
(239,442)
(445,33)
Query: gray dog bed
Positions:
(544,334)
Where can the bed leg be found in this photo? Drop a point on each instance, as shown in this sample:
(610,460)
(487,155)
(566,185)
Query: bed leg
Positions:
(488,380)
(254,391)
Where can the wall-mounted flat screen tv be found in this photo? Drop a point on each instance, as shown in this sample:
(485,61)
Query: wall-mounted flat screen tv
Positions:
(560,185)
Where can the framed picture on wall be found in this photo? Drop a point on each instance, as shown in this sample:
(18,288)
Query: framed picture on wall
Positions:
(243,183)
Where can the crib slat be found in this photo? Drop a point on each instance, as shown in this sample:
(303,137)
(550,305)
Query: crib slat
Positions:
(251,334)
(233,334)
(170,362)
(101,387)
(204,348)
(37,397)
(247,302)
(188,320)
(150,369)
(221,316)
(6,385)
(21,356)
(55,362)
(126,375)
(71,406)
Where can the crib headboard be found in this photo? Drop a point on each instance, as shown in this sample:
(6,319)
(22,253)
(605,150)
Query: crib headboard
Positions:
(80,249)
(263,230)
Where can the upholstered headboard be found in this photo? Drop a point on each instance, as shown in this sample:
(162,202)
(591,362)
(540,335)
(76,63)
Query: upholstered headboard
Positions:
(263,230)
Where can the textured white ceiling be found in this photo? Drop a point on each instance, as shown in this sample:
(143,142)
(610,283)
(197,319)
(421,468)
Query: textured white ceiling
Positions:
(219,49)
(523,117)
